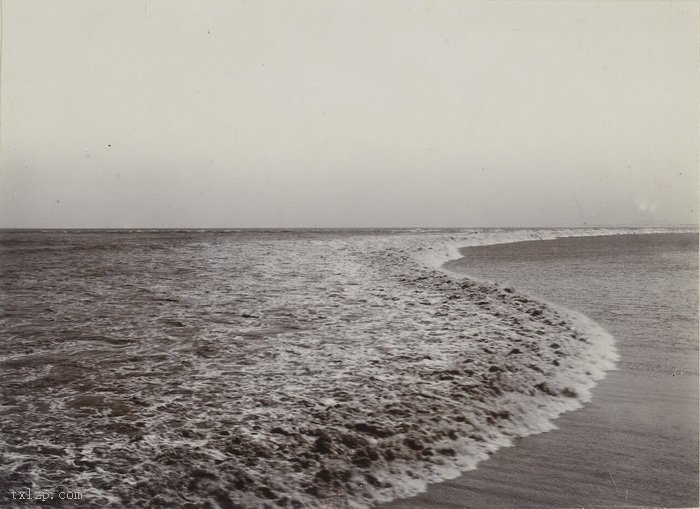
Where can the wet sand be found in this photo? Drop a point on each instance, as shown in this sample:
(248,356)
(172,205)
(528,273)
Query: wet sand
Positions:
(606,454)
(635,444)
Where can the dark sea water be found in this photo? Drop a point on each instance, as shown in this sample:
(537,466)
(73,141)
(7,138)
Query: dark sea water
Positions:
(287,368)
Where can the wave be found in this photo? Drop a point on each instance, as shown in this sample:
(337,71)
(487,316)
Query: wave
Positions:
(509,379)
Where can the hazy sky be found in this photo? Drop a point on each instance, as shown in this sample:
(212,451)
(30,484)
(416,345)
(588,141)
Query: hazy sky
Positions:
(348,113)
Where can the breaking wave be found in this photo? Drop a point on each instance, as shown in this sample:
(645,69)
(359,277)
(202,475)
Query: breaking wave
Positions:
(333,371)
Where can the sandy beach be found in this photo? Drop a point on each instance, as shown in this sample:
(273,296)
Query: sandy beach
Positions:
(573,466)
(635,444)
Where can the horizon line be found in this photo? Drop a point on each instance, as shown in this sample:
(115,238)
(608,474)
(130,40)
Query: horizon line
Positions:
(259,228)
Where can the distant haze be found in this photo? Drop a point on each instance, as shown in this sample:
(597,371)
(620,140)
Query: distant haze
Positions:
(348,113)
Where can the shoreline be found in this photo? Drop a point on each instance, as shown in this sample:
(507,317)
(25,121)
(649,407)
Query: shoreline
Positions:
(437,257)
(577,453)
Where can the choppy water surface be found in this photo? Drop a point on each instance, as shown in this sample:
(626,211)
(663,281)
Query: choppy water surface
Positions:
(280,369)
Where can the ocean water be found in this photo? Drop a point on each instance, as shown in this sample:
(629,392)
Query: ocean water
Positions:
(293,368)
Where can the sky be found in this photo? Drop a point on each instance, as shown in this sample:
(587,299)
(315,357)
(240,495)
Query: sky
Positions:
(164,113)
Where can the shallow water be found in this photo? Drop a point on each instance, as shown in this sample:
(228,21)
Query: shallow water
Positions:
(270,368)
